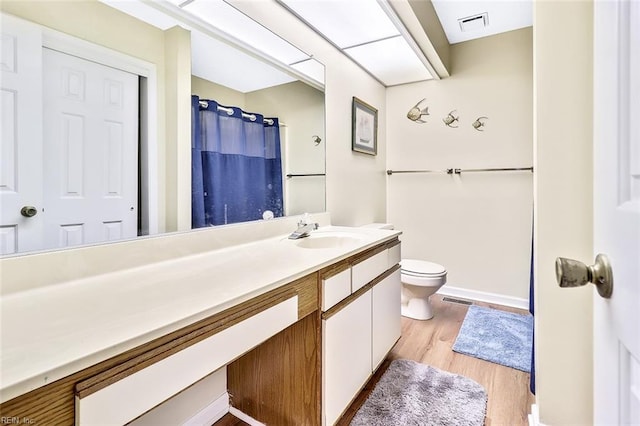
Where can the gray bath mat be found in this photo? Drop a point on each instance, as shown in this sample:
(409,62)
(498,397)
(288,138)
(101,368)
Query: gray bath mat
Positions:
(414,394)
(501,337)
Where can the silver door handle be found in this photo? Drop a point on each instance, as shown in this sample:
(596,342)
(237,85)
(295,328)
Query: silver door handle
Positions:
(573,273)
(28,211)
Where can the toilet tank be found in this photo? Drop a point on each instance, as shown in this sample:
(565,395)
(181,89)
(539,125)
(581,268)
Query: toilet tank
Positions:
(378,225)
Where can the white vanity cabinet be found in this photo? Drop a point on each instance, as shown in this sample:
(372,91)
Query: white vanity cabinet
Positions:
(117,390)
(386,323)
(359,330)
(346,355)
(297,354)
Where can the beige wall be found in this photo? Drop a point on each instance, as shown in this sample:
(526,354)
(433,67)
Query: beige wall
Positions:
(300,109)
(563,197)
(178,129)
(478,225)
(208,90)
(439,50)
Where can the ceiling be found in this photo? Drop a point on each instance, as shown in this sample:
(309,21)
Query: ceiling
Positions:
(217,29)
(502,16)
(216,26)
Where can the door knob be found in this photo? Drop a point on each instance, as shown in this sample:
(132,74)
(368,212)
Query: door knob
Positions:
(573,273)
(28,211)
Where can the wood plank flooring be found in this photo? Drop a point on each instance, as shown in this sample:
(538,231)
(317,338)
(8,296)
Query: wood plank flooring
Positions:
(430,342)
(230,420)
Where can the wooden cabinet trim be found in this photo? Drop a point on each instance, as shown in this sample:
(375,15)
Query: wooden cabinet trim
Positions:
(304,288)
(334,269)
(393,243)
(343,303)
(360,257)
(384,275)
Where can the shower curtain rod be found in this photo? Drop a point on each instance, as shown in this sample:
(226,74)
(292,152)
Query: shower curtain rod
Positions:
(229,111)
(460,171)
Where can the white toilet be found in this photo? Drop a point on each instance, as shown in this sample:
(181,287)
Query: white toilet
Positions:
(420,279)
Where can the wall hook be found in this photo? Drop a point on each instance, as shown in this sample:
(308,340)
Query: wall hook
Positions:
(478,124)
(416,113)
(316,139)
(450,119)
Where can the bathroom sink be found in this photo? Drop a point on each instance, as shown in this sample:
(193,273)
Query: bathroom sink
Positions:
(323,240)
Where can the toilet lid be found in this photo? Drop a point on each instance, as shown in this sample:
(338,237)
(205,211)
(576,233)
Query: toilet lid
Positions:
(421,268)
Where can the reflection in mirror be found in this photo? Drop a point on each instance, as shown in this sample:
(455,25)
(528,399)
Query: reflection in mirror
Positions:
(94,175)
(247,153)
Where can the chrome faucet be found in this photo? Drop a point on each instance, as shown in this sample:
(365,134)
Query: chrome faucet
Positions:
(304,227)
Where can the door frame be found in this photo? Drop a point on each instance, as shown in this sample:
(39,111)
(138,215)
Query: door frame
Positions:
(148,113)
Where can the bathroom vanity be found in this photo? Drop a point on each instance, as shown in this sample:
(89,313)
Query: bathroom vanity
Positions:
(299,325)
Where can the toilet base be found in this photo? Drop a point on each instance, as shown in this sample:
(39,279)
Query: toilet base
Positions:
(418,308)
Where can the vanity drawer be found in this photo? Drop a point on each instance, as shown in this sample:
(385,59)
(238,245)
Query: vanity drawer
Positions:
(394,255)
(366,270)
(336,288)
(136,393)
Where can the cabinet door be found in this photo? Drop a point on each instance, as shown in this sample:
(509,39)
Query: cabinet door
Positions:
(386,317)
(346,356)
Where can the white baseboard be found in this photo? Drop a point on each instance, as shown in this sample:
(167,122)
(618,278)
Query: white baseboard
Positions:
(481,296)
(211,413)
(244,417)
(534,417)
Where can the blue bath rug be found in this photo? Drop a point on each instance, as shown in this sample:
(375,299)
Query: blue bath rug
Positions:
(501,337)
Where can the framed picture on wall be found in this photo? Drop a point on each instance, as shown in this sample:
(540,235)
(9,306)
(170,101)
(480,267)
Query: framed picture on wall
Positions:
(364,128)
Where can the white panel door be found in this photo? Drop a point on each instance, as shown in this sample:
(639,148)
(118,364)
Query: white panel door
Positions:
(90,150)
(21,136)
(617,210)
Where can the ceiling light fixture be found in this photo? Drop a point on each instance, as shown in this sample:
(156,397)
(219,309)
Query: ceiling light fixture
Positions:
(369,33)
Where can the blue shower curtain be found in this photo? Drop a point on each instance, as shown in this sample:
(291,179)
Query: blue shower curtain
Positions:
(237,161)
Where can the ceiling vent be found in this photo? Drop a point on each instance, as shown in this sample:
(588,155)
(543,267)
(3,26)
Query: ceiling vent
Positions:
(474,22)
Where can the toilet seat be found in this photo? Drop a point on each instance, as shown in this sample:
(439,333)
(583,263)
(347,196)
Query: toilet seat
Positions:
(422,273)
(422,268)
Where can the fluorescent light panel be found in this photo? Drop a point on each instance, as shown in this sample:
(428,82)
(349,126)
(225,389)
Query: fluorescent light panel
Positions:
(345,22)
(236,70)
(311,68)
(364,31)
(231,21)
(221,63)
(392,61)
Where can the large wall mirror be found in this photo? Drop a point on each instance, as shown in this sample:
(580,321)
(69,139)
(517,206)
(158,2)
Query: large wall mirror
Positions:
(87,142)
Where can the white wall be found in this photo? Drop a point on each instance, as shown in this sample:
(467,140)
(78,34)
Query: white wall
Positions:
(563,57)
(478,225)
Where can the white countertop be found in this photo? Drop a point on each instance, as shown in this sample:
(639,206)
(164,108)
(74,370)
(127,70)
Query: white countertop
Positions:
(51,332)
